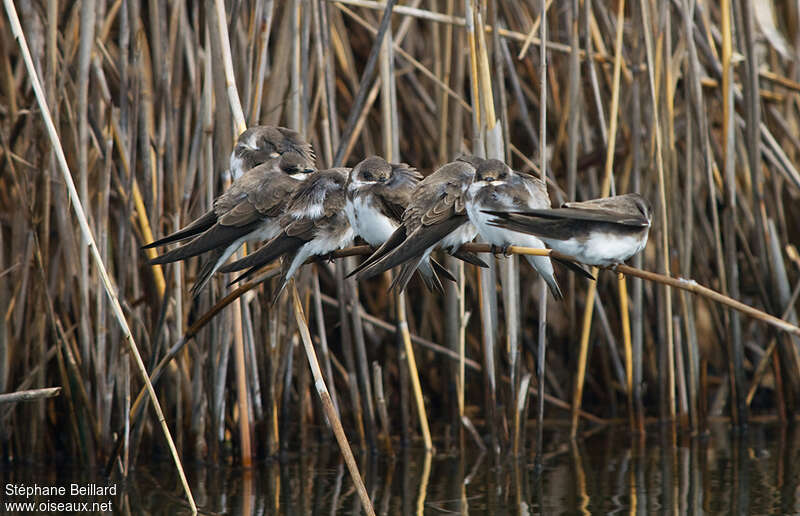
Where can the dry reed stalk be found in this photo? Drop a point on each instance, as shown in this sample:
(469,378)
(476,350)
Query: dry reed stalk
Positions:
(88,9)
(238,337)
(423,484)
(162,118)
(604,191)
(351,290)
(542,344)
(663,215)
(383,413)
(761,368)
(391,153)
(327,404)
(366,78)
(626,338)
(520,404)
(688,285)
(141,210)
(482,116)
(464,22)
(534,27)
(30,395)
(574,110)
(402,325)
(87,235)
(739,407)
(348,288)
(323,339)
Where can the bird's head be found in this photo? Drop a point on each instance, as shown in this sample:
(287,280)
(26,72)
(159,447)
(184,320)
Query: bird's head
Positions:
(491,170)
(374,169)
(260,143)
(295,164)
(644,207)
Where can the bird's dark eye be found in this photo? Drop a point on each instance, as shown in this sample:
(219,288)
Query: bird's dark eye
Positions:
(368,176)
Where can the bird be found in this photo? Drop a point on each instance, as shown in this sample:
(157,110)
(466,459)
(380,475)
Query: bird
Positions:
(262,142)
(248,211)
(603,232)
(497,187)
(377,195)
(253,147)
(314,224)
(435,216)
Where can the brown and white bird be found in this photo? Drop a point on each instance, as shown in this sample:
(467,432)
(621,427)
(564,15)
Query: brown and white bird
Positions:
(498,187)
(601,232)
(248,211)
(313,224)
(253,147)
(436,216)
(378,193)
(262,142)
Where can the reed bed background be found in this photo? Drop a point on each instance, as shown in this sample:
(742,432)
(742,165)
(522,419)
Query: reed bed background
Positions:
(696,105)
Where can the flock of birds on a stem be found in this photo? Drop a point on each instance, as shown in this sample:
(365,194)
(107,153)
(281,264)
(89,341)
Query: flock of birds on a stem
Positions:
(279,197)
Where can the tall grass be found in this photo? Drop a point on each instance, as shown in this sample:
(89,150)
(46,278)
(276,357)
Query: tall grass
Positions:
(693,105)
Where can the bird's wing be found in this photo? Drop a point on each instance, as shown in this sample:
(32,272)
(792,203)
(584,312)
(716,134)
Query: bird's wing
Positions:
(584,214)
(268,253)
(414,246)
(523,222)
(217,236)
(272,196)
(194,228)
(394,240)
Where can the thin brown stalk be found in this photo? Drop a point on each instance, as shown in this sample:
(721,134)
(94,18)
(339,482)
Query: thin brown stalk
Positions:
(663,214)
(577,392)
(735,346)
(327,404)
(87,234)
(380,402)
(542,333)
(238,335)
(30,395)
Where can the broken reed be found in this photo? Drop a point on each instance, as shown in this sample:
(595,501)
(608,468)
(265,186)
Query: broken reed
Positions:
(706,127)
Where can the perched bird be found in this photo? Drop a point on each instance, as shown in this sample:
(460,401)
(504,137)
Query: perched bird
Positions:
(377,195)
(498,187)
(262,142)
(253,147)
(436,215)
(314,224)
(248,211)
(601,232)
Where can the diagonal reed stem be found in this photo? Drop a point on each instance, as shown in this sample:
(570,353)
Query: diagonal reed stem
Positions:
(327,404)
(16,28)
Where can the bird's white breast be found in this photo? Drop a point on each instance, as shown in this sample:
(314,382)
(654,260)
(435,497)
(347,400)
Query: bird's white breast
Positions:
(367,221)
(600,248)
(465,233)
(265,231)
(330,241)
(236,164)
(492,234)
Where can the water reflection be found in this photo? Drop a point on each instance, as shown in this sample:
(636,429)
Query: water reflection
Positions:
(606,473)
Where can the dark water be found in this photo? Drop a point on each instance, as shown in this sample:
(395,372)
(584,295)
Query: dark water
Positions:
(755,472)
